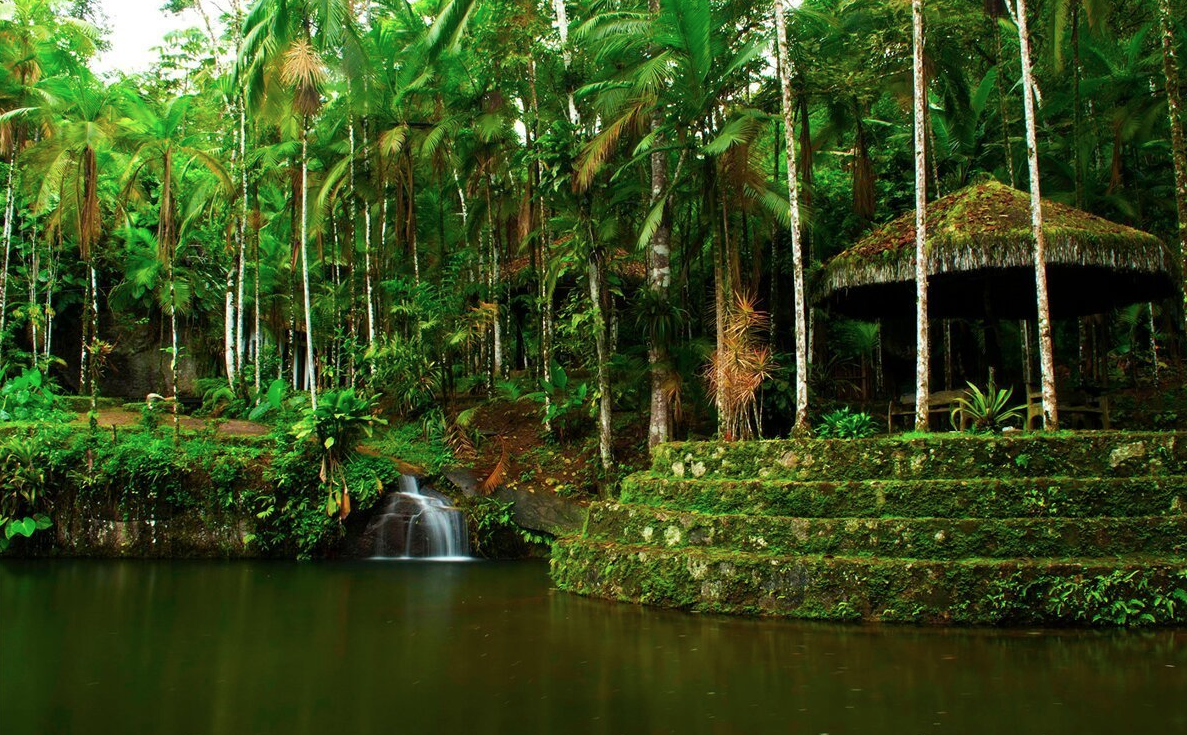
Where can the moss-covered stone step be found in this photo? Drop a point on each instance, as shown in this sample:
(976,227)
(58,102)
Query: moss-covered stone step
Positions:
(1082,454)
(1130,590)
(973,498)
(918,538)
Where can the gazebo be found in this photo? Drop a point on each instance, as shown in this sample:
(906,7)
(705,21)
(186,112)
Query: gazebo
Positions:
(982,262)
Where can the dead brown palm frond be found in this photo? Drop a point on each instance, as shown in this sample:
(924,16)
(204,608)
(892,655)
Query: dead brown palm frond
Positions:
(303,71)
(495,478)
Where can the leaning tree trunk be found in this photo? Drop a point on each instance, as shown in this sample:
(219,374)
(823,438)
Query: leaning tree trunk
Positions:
(597,296)
(310,368)
(1174,108)
(922,336)
(1046,348)
(797,255)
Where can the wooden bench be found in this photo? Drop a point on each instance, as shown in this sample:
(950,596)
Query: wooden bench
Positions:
(1083,412)
(939,404)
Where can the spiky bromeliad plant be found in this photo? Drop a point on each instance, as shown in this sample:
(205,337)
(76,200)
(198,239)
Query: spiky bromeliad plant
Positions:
(739,368)
(987,410)
(340,420)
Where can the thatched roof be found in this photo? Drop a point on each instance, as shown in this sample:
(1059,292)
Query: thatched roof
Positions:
(982,260)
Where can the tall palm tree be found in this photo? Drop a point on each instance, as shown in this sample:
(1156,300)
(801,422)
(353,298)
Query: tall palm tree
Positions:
(287,42)
(1046,347)
(801,327)
(70,164)
(157,138)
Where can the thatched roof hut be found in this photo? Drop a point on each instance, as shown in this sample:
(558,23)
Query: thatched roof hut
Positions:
(982,261)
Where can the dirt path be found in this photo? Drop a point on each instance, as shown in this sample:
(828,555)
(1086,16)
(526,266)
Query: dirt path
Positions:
(118,417)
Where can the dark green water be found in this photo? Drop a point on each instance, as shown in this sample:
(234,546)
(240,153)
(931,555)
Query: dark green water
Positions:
(370,647)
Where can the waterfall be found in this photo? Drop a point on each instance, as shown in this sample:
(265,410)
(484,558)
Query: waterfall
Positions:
(419,523)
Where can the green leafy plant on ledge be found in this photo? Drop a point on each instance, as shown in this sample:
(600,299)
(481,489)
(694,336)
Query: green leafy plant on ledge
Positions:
(21,494)
(845,423)
(985,411)
(339,422)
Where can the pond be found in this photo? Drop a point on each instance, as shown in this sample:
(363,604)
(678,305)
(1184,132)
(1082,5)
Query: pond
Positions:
(420,647)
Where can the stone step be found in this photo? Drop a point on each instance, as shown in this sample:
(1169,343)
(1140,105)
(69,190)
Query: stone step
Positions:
(974,591)
(972,498)
(916,538)
(1080,454)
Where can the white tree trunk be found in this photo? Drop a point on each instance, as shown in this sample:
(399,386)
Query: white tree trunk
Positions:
(310,368)
(229,327)
(922,336)
(9,211)
(797,255)
(596,273)
(1046,348)
(240,342)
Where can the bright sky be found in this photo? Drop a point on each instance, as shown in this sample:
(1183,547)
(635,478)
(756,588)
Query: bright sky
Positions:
(136,27)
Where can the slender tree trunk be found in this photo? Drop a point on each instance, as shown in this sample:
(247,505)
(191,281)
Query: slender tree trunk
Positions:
(173,351)
(659,281)
(229,326)
(1046,347)
(797,256)
(562,25)
(86,323)
(310,368)
(922,336)
(34,276)
(256,335)
(597,296)
(9,211)
(1174,109)
(240,343)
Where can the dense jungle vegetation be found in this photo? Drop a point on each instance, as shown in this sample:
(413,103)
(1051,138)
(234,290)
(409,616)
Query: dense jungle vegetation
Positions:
(584,203)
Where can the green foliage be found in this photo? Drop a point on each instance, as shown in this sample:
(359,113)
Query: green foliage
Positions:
(339,422)
(22,486)
(987,410)
(404,372)
(845,423)
(27,397)
(421,445)
(562,402)
(494,529)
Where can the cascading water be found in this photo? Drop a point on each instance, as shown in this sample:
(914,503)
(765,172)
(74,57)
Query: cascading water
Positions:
(419,523)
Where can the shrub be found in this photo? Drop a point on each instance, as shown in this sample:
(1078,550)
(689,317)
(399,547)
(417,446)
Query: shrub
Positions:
(846,424)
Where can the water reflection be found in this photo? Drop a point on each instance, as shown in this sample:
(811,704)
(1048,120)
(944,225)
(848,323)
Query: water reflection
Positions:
(127,647)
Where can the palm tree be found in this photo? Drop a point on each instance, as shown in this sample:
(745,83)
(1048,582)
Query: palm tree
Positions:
(70,164)
(286,42)
(689,64)
(1046,348)
(801,328)
(157,140)
(922,337)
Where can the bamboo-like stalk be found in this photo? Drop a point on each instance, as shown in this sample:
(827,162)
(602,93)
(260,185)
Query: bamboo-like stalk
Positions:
(797,256)
(1046,347)
(922,337)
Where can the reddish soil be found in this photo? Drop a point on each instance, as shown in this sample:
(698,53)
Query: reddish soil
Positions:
(514,437)
(118,417)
